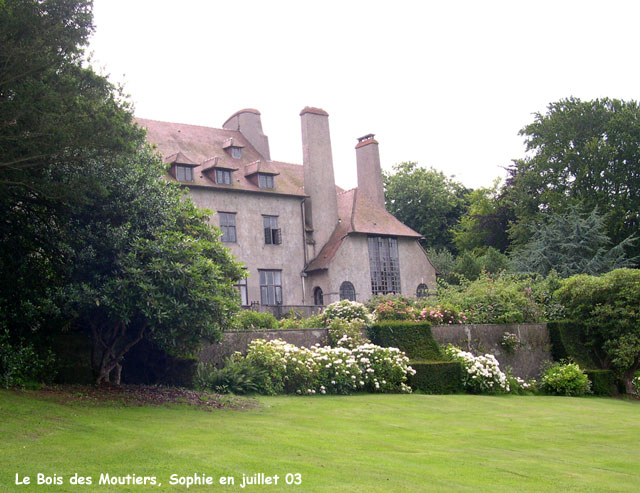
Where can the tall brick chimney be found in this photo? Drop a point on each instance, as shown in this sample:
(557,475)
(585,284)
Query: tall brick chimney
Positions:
(369,171)
(321,208)
(248,122)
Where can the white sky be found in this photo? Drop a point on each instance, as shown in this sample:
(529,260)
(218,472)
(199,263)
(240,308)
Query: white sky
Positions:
(447,84)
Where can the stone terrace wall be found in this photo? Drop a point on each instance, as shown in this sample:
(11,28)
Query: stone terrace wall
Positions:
(525,362)
(239,341)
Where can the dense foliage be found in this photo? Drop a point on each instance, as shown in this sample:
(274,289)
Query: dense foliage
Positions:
(425,200)
(571,243)
(606,308)
(581,152)
(92,237)
(565,379)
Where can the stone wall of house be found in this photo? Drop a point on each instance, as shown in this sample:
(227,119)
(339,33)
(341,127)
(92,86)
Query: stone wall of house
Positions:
(525,361)
(250,247)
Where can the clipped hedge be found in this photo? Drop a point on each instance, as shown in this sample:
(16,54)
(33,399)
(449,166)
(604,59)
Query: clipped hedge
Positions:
(413,338)
(566,342)
(437,377)
(603,382)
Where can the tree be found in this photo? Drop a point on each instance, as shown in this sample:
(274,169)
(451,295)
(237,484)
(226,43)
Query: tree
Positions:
(49,102)
(572,243)
(425,200)
(607,309)
(143,262)
(585,153)
(91,235)
(484,223)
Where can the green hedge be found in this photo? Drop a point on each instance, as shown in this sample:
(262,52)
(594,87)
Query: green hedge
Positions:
(603,382)
(437,377)
(414,338)
(566,342)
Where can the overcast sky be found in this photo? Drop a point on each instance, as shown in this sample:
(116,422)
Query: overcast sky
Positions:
(447,84)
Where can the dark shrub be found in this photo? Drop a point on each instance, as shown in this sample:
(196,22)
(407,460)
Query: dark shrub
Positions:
(437,377)
(603,382)
(413,338)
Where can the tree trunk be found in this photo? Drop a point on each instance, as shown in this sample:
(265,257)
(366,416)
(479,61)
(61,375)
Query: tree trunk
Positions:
(627,377)
(111,361)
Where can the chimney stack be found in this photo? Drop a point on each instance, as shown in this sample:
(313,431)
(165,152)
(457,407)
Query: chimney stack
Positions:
(249,124)
(369,171)
(321,208)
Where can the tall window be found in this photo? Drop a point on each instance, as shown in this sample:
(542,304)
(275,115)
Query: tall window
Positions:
(265,181)
(347,291)
(242,289)
(383,262)
(228,226)
(318,298)
(270,287)
(223,177)
(272,234)
(184,173)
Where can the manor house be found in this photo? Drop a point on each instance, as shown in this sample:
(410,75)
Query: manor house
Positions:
(302,239)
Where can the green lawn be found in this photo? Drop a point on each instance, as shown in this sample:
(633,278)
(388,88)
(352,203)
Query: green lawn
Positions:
(359,443)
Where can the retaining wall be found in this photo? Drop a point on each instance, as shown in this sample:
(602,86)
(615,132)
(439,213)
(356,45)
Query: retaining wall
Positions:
(525,361)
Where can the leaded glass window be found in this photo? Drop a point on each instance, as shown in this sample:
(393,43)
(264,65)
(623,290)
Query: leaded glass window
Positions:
(384,266)
(347,291)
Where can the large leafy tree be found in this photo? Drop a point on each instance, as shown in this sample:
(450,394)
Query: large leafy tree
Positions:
(580,152)
(425,200)
(50,102)
(91,236)
(484,223)
(143,262)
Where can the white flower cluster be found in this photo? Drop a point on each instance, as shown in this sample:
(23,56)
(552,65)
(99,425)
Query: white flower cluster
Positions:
(348,311)
(483,372)
(327,370)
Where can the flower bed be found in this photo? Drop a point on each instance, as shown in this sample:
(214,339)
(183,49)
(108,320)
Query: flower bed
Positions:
(325,370)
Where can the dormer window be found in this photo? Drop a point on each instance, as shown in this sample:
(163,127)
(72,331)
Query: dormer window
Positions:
(265,181)
(223,177)
(184,173)
(233,147)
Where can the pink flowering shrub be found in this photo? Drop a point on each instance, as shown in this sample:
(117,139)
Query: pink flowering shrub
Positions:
(401,310)
(395,310)
(442,315)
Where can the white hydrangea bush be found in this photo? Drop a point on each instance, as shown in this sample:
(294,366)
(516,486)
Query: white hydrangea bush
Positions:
(326,370)
(348,311)
(482,373)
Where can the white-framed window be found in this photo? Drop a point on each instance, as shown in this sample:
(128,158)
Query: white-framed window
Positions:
(272,233)
(270,287)
(236,152)
(228,226)
(184,173)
